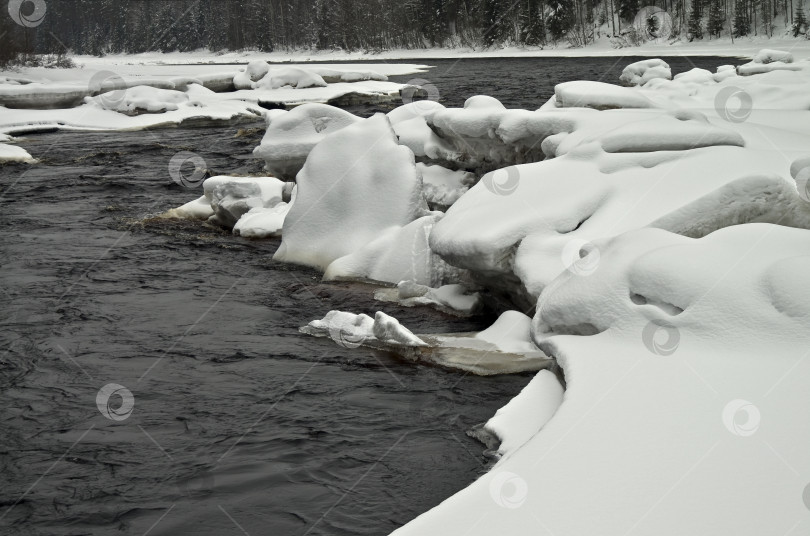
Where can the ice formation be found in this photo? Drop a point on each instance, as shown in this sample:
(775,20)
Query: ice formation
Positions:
(453,298)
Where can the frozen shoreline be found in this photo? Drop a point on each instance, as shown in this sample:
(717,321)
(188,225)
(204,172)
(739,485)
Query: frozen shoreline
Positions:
(741,48)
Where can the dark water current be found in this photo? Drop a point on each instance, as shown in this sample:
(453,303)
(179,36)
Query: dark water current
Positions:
(240,424)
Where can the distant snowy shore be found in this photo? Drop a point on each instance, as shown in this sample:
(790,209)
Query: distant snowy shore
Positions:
(745,47)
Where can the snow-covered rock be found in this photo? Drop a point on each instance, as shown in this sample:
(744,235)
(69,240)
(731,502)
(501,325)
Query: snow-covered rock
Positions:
(290,136)
(139,99)
(641,72)
(357,185)
(352,331)
(768,55)
(261,222)
(598,95)
(232,197)
(255,71)
(290,76)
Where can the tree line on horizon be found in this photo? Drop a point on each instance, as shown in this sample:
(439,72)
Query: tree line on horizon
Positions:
(100,27)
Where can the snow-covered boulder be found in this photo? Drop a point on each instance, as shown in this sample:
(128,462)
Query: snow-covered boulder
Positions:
(641,72)
(768,55)
(598,95)
(232,197)
(520,238)
(139,99)
(255,71)
(290,76)
(290,136)
(351,330)
(357,184)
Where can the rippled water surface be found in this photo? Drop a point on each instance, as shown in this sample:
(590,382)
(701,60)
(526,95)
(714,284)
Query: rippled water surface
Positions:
(240,424)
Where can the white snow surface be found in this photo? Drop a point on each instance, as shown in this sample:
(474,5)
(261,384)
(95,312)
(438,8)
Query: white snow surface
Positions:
(641,72)
(357,185)
(14,153)
(526,414)
(291,136)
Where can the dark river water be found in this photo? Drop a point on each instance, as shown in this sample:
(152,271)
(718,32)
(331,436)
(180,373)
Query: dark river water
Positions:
(240,424)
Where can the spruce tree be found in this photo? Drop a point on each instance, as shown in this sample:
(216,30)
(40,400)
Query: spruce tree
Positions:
(716,19)
(799,21)
(694,25)
(742,26)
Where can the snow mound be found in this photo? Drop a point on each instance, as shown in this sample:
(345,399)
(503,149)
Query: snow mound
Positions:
(357,184)
(332,76)
(290,136)
(641,72)
(290,76)
(767,55)
(598,95)
(352,331)
(687,399)
(520,247)
(139,99)
(255,71)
